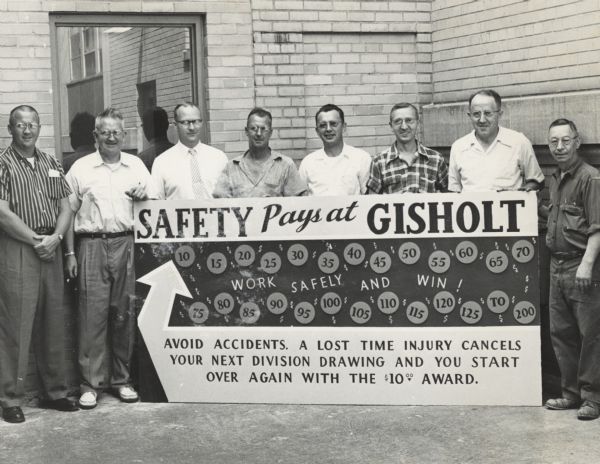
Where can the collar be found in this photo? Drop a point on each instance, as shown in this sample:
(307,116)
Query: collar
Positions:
(570,171)
(36,152)
(321,155)
(184,148)
(98,161)
(392,152)
(501,137)
(274,156)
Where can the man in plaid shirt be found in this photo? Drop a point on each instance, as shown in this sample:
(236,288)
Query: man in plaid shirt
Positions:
(407,166)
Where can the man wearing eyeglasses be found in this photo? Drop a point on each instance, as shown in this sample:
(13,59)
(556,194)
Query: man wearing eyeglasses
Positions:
(574,242)
(407,165)
(190,169)
(34,216)
(337,168)
(260,172)
(492,157)
(105,184)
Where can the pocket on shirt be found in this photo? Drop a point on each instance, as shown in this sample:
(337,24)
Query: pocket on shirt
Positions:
(54,187)
(574,217)
(426,185)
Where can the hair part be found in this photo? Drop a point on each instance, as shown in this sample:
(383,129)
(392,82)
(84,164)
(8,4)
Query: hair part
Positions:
(402,105)
(185,104)
(565,122)
(13,113)
(326,109)
(489,93)
(261,113)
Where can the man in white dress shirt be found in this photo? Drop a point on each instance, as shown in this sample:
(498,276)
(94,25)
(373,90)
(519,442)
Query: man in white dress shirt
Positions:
(492,157)
(337,168)
(190,169)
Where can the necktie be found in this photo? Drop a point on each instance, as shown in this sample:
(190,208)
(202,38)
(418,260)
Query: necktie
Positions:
(197,184)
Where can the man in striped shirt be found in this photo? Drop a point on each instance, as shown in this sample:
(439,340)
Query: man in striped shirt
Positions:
(407,166)
(34,215)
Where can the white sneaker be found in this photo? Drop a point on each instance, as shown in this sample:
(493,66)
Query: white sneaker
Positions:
(88,400)
(128,394)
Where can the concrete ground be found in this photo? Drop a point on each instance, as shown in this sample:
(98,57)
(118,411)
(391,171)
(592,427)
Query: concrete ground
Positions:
(231,433)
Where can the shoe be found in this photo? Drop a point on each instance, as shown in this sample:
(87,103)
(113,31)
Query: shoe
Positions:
(88,400)
(127,394)
(13,414)
(61,404)
(589,410)
(560,404)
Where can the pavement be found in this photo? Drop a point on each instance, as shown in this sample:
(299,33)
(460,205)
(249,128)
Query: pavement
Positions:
(179,433)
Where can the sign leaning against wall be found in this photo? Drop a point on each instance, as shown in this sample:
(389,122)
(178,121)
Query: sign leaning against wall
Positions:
(396,299)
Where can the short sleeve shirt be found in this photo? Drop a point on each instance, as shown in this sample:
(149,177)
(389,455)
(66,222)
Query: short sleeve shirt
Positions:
(279,178)
(391,174)
(574,208)
(507,164)
(344,174)
(33,192)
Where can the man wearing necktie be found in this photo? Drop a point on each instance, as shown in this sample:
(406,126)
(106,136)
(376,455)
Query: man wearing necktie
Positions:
(190,169)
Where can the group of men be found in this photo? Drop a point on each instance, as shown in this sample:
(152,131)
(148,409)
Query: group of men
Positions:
(87,218)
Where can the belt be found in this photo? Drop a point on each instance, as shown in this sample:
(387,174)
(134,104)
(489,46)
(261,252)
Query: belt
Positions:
(567,254)
(103,235)
(43,231)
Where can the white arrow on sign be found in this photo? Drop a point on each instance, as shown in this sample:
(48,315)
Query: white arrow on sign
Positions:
(165,282)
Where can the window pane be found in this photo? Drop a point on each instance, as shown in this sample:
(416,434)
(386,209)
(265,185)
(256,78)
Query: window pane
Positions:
(148,68)
(75,43)
(76,69)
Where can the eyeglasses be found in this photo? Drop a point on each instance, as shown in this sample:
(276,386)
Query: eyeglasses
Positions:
(333,125)
(107,133)
(190,122)
(566,142)
(27,125)
(256,130)
(486,114)
(400,122)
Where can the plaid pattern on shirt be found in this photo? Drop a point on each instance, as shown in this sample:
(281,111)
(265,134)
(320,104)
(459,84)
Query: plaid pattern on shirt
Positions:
(390,174)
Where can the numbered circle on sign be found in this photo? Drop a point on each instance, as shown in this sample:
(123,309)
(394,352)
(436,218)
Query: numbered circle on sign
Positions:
(304,312)
(523,251)
(466,252)
(439,261)
(496,261)
(185,256)
(277,303)
(524,312)
(216,263)
(270,262)
(409,253)
(297,254)
(417,312)
(328,262)
(331,303)
(471,312)
(354,254)
(444,302)
(380,262)
(388,302)
(224,303)
(360,312)
(249,312)
(244,255)
(498,301)
(198,312)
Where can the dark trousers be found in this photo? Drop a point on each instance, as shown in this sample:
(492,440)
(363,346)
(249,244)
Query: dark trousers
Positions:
(575,330)
(31,304)
(106,314)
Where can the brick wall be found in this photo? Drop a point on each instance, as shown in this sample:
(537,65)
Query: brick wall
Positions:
(541,56)
(363,56)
